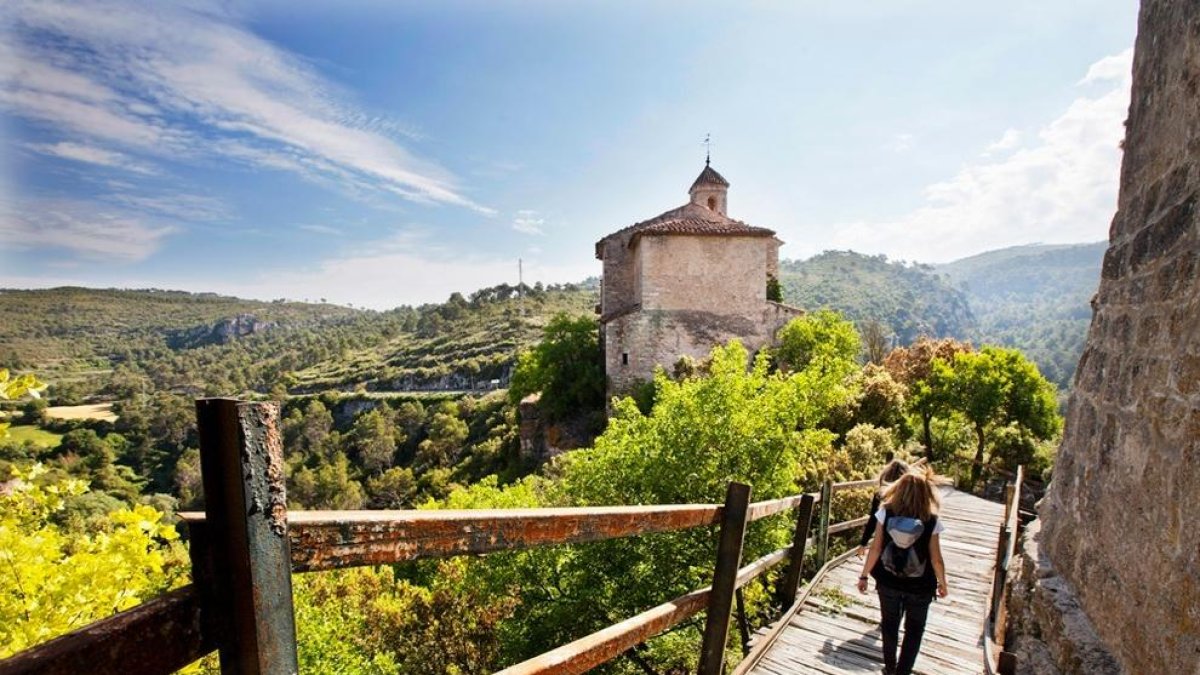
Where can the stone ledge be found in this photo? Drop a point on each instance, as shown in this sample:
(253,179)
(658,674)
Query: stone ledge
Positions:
(1046,625)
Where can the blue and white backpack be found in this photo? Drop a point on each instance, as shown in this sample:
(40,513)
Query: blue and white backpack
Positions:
(900,555)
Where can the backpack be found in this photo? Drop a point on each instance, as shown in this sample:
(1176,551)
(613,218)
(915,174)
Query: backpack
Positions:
(900,555)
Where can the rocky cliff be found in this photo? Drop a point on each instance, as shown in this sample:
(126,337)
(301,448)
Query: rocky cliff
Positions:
(1119,523)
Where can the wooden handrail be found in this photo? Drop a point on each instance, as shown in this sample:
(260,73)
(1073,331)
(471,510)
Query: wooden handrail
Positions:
(996,661)
(158,636)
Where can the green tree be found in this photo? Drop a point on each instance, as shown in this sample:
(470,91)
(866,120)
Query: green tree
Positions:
(823,338)
(996,387)
(913,367)
(56,580)
(566,366)
(395,488)
(374,438)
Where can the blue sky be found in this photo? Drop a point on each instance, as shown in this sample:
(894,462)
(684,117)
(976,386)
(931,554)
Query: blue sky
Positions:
(383,153)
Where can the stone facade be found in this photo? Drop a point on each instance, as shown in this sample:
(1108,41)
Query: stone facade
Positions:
(1119,523)
(683,282)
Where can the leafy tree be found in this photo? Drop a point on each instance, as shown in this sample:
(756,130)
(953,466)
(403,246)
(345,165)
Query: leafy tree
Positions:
(56,580)
(823,338)
(13,388)
(395,488)
(374,438)
(875,340)
(996,387)
(774,290)
(566,366)
(330,486)
(447,436)
(913,367)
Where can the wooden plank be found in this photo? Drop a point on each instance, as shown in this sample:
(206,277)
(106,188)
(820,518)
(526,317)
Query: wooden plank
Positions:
(828,635)
(154,638)
(729,557)
(791,580)
(323,540)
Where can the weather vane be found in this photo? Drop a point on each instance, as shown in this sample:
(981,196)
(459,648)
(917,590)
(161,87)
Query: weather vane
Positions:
(707,148)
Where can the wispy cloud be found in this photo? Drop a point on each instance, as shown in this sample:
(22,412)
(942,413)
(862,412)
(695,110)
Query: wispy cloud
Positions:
(322,229)
(112,235)
(1061,186)
(528,222)
(88,154)
(187,79)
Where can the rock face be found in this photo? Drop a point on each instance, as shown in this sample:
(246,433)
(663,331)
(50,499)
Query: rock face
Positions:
(221,332)
(1119,520)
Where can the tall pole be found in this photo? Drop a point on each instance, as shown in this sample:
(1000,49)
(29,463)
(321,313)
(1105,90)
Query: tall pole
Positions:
(521,284)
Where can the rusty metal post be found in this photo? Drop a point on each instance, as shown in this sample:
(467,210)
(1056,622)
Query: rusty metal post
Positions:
(823,526)
(248,591)
(743,623)
(795,570)
(720,599)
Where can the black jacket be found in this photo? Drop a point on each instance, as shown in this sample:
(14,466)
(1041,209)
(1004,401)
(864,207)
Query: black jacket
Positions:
(927,582)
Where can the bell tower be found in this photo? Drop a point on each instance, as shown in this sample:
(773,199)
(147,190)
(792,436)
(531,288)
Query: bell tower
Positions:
(710,190)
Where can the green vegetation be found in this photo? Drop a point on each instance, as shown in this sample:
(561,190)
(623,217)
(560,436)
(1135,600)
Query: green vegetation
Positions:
(909,299)
(1035,299)
(27,433)
(566,367)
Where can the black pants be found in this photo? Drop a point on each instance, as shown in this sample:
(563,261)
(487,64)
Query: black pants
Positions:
(913,608)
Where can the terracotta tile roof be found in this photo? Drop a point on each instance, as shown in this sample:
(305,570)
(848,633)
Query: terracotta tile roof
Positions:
(692,219)
(709,176)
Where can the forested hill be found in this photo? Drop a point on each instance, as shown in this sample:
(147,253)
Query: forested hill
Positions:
(909,299)
(1035,298)
(115,343)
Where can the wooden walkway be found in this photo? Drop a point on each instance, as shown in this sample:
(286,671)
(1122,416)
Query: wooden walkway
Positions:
(837,629)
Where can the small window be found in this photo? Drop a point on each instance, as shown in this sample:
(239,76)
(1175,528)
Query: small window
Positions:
(712,203)
(625,358)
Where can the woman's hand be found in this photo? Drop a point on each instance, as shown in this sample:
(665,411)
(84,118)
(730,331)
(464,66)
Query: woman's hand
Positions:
(943,590)
(862,551)
(862,585)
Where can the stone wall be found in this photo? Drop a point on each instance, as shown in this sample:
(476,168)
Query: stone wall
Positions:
(1119,520)
(722,275)
(618,287)
(635,343)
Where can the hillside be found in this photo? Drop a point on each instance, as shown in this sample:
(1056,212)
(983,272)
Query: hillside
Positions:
(116,343)
(910,299)
(1035,298)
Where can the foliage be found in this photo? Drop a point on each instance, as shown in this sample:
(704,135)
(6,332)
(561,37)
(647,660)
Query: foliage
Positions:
(370,621)
(774,289)
(997,387)
(15,387)
(913,367)
(56,578)
(909,300)
(822,339)
(566,367)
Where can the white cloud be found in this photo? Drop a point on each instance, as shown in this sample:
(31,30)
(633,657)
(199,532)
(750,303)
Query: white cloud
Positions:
(528,222)
(204,84)
(396,271)
(1061,187)
(88,154)
(107,235)
(1008,141)
(1110,68)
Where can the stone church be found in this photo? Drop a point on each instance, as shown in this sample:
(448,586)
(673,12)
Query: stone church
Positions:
(683,282)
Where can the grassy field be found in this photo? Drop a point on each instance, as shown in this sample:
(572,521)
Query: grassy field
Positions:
(91,411)
(26,432)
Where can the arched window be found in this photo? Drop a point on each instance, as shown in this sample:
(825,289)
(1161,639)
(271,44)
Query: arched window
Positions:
(712,203)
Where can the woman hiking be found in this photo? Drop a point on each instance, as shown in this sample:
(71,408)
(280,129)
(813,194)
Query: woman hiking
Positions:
(891,472)
(905,559)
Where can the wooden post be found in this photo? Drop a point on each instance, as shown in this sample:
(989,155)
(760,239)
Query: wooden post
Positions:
(823,526)
(795,570)
(720,599)
(248,591)
(743,623)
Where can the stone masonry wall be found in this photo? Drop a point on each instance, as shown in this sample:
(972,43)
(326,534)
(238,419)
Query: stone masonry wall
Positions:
(661,337)
(723,275)
(1119,520)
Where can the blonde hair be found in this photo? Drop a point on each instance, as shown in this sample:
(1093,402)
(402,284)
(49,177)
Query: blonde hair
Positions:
(914,494)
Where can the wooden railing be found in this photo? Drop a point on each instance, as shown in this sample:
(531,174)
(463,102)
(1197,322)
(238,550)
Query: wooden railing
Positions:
(996,660)
(246,545)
